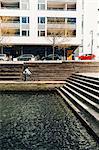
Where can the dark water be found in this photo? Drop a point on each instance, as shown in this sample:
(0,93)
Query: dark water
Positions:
(38,121)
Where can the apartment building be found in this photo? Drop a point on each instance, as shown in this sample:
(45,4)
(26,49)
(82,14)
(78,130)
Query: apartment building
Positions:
(28,26)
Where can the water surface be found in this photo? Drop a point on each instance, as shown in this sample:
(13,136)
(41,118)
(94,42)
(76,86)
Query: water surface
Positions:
(40,121)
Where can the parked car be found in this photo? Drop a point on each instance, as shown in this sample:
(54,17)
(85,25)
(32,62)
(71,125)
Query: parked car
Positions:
(3,57)
(25,57)
(87,57)
(50,57)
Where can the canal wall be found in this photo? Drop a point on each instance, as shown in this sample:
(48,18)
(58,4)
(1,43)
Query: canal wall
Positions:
(46,70)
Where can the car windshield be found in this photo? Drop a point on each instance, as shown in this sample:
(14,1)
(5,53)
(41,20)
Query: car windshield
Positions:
(26,55)
(87,55)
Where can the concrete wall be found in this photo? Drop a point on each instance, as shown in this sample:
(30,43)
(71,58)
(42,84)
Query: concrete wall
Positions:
(46,71)
(60,71)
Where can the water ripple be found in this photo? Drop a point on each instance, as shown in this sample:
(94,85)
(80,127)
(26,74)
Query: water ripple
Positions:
(38,121)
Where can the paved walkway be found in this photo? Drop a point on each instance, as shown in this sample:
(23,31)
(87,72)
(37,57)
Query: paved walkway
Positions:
(35,82)
(96,75)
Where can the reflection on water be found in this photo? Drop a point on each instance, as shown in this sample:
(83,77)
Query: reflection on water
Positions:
(38,121)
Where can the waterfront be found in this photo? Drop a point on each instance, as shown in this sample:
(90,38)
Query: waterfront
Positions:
(40,121)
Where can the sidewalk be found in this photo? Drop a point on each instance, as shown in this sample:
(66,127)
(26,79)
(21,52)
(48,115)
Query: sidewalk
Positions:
(29,85)
(34,82)
(96,75)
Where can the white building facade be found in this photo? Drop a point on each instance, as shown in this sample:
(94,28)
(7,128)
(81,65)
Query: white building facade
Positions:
(31,25)
(90,26)
(98,29)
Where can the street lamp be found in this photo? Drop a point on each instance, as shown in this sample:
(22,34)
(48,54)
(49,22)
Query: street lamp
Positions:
(91,32)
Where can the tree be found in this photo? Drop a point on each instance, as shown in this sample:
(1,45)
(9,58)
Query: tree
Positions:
(57,38)
(5,30)
(57,32)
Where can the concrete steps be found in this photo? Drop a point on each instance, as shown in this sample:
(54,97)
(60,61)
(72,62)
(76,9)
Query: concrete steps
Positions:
(76,91)
(85,90)
(80,95)
(93,80)
(11,72)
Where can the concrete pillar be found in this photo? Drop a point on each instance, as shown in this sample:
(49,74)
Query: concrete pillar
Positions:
(21,49)
(1,50)
(65,6)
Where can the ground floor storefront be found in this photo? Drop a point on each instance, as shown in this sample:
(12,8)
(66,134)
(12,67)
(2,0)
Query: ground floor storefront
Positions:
(67,53)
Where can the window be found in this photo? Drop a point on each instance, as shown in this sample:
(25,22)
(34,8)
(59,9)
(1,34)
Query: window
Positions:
(71,6)
(25,32)
(41,4)
(41,33)
(41,19)
(71,20)
(24,4)
(25,19)
(71,33)
(17,32)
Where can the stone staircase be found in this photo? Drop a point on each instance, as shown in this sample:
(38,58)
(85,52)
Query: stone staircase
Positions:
(11,71)
(81,93)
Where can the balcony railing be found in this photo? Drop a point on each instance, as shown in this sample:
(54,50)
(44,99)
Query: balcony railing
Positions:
(62,26)
(10,25)
(41,26)
(14,26)
(70,1)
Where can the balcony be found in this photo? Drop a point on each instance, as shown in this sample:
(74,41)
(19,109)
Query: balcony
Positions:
(12,4)
(10,25)
(61,32)
(65,1)
(61,26)
(56,6)
(14,26)
(61,5)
